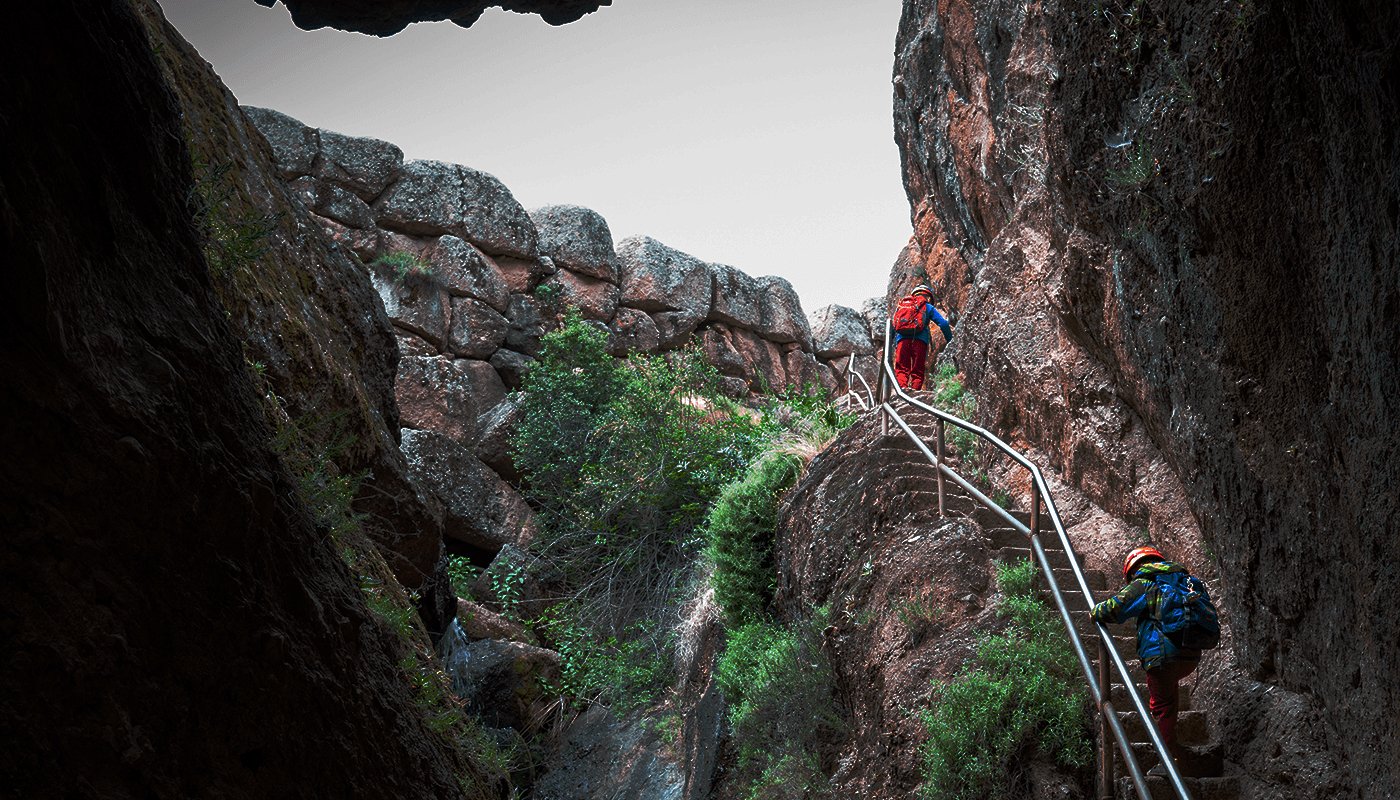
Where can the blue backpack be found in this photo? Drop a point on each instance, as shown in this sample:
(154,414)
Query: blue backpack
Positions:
(1185,612)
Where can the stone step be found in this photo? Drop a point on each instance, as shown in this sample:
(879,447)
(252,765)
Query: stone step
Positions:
(1193,761)
(1120,699)
(1056,555)
(1192,727)
(1223,788)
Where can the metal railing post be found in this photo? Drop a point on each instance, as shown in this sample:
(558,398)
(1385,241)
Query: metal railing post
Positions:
(942,511)
(1105,733)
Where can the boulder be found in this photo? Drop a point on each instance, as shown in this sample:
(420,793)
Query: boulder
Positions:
(413,345)
(294,145)
(446,395)
(718,348)
(738,299)
(803,371)
(633,331)
(657,278)
(577,239)
(673,328)
(763,361)
(480,509)
(511,366)
(476,329)
(363,244)
(505,683)
(527,324)
(497,427)
(414,302)
(876,315)
(780,313)
(334,202)
(595,299)
(479,622)
(523,275)
(465,272)
(358,163)
(435,198)
(839,331)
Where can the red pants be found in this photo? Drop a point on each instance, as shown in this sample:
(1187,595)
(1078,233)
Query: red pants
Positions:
(1162,696)
(910,363)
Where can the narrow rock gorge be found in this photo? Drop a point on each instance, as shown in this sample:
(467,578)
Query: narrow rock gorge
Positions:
(264,385)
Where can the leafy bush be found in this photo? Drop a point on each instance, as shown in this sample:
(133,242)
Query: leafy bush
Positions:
(740,537)
(777,682)
(462,573)
(1016,701)
(624,673)
(623,459)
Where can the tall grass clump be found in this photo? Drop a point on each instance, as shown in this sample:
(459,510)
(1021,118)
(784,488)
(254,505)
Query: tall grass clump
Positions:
(1018,700)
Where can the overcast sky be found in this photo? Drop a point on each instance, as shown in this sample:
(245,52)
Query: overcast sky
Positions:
(756,133)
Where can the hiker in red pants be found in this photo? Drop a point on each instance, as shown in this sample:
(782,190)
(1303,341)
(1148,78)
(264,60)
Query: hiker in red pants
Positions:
(911,320)
(1175,622)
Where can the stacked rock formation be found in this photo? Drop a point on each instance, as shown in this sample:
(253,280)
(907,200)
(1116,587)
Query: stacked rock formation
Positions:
(470,281)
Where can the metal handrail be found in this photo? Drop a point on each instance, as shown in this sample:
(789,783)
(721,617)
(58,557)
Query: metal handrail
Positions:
(1099,685)
(867,402)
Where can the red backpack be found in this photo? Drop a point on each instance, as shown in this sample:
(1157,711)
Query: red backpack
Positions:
(909,314)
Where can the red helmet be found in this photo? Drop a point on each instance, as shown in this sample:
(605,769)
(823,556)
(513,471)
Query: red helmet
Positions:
(1139,554)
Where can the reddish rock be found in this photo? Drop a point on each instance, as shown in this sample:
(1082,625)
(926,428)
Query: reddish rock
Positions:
(522,275)
(480,622)
(595,299)
(363,244)
(413,345)
(466,272)
(505,683)
(527,324)
(334,202)
(447,395)
(717,346)
(386,18)
(674,328)
(476,330)
(763,361)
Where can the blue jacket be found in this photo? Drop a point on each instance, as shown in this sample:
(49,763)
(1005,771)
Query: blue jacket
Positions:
(1137,600)
(930,315)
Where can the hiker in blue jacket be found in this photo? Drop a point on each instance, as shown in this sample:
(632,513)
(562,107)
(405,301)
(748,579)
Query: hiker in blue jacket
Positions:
(1165,661)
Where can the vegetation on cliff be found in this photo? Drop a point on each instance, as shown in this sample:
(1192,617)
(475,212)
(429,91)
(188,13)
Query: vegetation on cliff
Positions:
(1015,703)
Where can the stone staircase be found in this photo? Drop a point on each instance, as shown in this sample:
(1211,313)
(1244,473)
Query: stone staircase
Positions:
(908,473)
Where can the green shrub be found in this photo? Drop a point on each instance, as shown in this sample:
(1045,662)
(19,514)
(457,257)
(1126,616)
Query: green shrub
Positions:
(739,534)
(778,682)
(951,396)
(1019,699)
(462,573)
(623,672)
(623,459)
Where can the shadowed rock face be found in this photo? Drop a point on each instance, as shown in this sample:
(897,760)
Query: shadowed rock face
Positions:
(1170,237)
(176,625)
(384,18)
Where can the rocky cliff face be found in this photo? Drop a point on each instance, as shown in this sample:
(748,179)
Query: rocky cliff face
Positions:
(179,620)
(384,18)
(1169,233)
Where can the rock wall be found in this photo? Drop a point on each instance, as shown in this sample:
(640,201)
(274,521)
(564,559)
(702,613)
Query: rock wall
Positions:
(1169,232)
(384,18)
(177,624)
